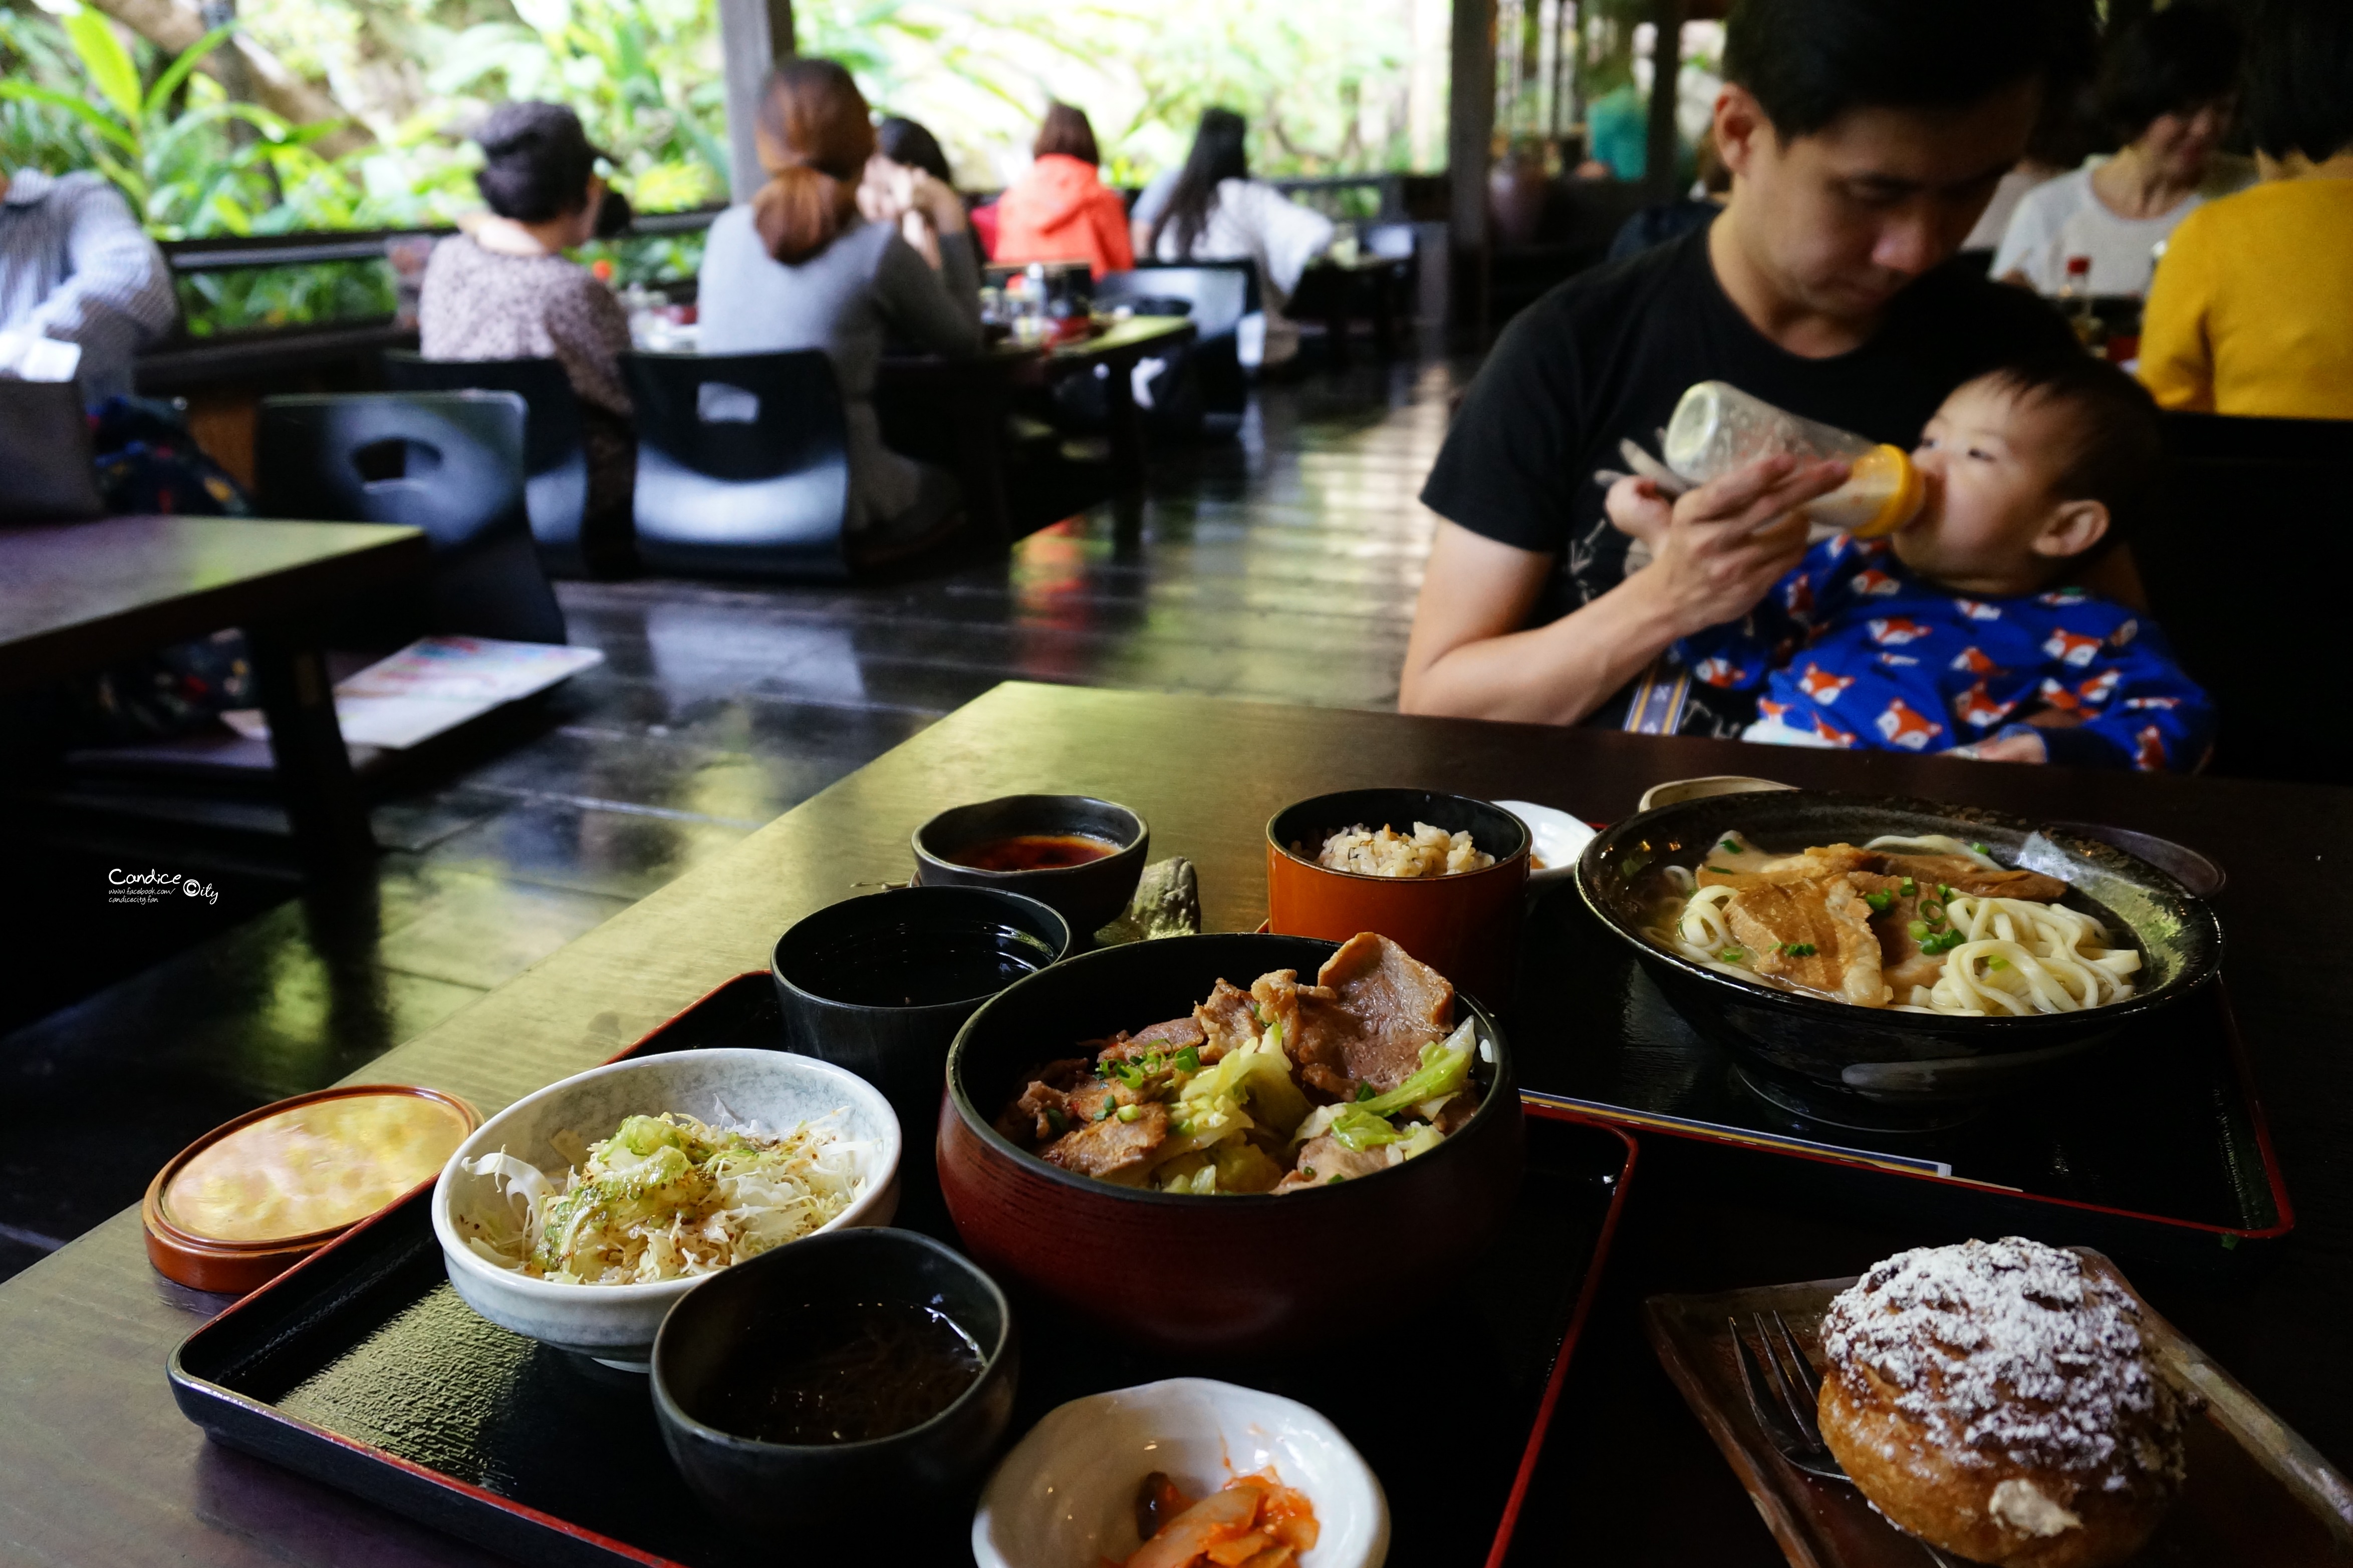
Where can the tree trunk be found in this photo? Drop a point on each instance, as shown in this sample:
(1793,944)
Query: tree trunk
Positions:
(175,25)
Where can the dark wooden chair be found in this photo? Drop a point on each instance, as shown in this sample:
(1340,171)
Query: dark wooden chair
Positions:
(742,463)
(449,463)
(2245,568)
(555,452)
(1216,295)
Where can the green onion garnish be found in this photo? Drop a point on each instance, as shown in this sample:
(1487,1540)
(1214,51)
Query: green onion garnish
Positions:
(1728,847)
(1798,949)
(1102,1111)
(1981,849)
(1366,1091)
(1188,1060)
(1732,955)
(1130,1112)
(1910,886)
(1878,902)
(1919,930)
(1997,964)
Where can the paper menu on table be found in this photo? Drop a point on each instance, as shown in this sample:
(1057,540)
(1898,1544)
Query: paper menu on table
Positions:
(432,686)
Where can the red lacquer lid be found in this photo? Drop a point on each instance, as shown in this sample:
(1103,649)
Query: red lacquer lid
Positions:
(254,1197)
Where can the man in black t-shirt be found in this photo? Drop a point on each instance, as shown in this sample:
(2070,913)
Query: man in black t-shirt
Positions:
(1864,138)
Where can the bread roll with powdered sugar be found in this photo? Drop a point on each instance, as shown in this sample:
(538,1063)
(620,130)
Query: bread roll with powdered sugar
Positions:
(1995,1400)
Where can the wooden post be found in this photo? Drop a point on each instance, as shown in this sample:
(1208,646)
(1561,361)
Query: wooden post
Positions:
(1470,134)
(1659,182)
(754,35)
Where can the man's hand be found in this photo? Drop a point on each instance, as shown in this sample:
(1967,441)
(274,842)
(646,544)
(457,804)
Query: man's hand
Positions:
(1638,510)
(1726,542)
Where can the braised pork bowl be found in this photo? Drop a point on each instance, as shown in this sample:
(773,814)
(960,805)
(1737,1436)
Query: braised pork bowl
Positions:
(1897,951)
(1190,1140)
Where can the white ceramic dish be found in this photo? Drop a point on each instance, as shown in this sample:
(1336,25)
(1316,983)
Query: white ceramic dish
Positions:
(1065,1495)
(774,1090)
(1560,839)
(1674,790)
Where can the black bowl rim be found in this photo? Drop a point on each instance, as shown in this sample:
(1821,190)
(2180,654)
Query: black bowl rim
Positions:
(1502,1084)
(857,1235)
(929,857)
(1517,857)
(1750,992)
(776,961)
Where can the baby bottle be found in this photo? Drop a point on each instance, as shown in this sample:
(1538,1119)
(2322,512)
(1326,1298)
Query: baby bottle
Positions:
(1717,427)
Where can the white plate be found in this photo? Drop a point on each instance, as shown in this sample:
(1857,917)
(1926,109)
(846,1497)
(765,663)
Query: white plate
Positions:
(1065,1495)
(1560,839)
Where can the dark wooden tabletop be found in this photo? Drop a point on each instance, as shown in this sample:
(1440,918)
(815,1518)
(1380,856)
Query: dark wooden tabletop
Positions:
(76,595)
(97,1466)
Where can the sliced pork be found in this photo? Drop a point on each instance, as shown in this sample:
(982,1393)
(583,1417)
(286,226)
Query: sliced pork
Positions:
(1373,1008)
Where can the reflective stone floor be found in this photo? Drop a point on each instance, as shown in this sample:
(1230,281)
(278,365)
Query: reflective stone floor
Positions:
(1280,566)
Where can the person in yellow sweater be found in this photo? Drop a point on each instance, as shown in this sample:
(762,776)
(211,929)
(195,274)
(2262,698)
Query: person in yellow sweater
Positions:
(2251,311)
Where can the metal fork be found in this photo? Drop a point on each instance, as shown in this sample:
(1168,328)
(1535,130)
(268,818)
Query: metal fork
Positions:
(1783,1394)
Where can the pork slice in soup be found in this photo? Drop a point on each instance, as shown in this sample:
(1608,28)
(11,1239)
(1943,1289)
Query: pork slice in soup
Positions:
(1813,933)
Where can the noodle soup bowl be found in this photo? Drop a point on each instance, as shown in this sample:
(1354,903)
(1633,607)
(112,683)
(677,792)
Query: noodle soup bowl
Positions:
(1879,1066)
(770,1092)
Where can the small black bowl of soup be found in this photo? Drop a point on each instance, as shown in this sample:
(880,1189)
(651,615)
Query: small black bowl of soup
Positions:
(880,985)
(852,1376)
(1080,854)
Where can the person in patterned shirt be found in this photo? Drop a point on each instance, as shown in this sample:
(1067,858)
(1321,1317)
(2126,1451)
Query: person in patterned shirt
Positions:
(1958,634)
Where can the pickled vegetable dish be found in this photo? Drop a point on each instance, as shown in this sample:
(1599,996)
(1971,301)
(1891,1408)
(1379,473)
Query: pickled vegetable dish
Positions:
(1253,1520)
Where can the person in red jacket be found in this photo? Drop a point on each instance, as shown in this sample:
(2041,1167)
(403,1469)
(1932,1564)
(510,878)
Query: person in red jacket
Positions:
(1059,210)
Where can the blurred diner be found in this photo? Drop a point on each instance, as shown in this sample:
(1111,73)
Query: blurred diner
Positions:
(904,153)
(1863,142)
(502,287)
(1059,210)
(2249,314)
(77,269)
(799,267)
(2167,88)
(1211,210)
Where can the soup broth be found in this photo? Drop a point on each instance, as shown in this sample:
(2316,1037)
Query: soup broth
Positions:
(1034,852)
(843,1373)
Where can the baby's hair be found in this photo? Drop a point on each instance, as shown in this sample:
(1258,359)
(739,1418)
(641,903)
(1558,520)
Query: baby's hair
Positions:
(2116,452)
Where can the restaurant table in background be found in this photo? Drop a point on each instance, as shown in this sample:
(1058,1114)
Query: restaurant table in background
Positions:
(954,411)
(1336,289)
(76,597)
(98,1466)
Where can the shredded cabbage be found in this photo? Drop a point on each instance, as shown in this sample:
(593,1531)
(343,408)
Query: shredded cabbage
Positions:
(668,1198)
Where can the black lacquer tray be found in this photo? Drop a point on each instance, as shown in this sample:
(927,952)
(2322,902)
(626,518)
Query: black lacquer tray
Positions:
(2153,1145)
(361,1368)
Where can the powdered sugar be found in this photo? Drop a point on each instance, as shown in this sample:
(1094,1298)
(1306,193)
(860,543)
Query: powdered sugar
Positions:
(2009,1350)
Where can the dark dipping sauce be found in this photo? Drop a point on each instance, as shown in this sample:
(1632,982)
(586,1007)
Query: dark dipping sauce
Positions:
(843,1373)
(1033,852)
(926,968)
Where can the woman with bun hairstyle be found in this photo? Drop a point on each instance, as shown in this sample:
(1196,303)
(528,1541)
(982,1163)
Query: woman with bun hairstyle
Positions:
(501,288)
(798,268)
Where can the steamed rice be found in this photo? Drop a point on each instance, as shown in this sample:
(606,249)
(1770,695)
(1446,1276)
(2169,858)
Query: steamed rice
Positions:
(1427,852)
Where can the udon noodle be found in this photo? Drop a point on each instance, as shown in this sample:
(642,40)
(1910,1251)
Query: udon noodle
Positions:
(2004,957)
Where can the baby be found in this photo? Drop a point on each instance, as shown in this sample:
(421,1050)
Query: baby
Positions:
(1951,635)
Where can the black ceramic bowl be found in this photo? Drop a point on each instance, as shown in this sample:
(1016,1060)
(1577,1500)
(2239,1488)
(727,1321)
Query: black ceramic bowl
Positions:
(786,1488)
(1206,1273)
(1875,1053)
(880,985)
(1090,896)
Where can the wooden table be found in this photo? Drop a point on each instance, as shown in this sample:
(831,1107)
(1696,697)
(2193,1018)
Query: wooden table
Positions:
(971,398)
(1335,290)
(77,596)
(97,1467)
